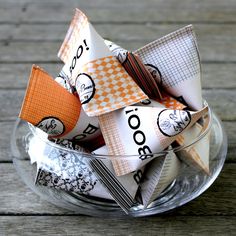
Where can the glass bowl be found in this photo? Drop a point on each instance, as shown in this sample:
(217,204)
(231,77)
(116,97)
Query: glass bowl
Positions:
(188,185)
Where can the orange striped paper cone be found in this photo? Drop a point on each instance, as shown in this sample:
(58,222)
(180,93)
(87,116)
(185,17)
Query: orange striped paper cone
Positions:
(101,82)
(143,131)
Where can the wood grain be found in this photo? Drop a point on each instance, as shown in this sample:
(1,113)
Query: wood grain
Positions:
(120,32)
(84,226)
(121,11)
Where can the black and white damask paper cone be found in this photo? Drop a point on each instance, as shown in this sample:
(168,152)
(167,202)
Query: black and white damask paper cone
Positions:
(64,170)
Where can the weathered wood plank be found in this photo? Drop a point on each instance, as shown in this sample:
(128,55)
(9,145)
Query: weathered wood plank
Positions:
(222,102)
(33,52)
(120,11)
(10,103)
(225,107)
(119,32)
(210,37)
(16,198)
(21,52)
(122,3)
(6,129)
(216,75)
(74,226)
(16,75)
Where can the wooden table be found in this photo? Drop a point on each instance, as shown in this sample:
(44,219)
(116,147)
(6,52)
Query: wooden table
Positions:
(31,32)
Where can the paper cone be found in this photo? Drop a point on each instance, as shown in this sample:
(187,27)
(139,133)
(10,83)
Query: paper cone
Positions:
(166,101)
(122,188)
(176,56)
(137,70)
(143,131)
(64,170)
(159,173)
(48,106)
(197,155)
(101,82)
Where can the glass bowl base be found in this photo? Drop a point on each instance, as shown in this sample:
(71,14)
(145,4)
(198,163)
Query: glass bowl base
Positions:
(187,186)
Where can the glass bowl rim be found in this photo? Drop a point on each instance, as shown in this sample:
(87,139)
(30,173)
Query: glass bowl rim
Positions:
(91,155)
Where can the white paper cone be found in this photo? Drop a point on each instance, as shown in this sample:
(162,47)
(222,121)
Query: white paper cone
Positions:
(143,131)
(122,188)
(176,56)
(87,128)
(64,170)
(158,175)
(197,155)
(101,82)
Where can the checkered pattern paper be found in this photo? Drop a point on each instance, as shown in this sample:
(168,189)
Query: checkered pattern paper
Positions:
(176,57)
(170,102)
(114,88)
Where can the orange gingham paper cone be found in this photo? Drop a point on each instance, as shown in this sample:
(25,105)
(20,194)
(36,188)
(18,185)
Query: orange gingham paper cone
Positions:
(114,88)
(78,22)
(102,83)
(167,101)
(49,106)
(143,131)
